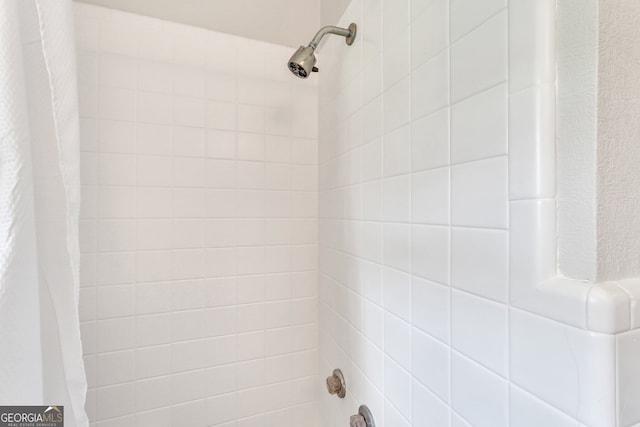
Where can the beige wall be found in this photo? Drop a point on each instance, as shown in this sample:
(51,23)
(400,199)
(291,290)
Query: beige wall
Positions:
(597,139)
(285,22)
(618,140)
(332,10)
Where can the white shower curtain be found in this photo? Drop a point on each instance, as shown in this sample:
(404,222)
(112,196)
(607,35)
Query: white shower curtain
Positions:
(40,348)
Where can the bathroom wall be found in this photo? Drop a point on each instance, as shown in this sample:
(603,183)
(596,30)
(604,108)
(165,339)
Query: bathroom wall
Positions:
(246,18)
(332,10)
(619,179)
(597,151)
(618,136)
(434,219)
(437,226)
(198,231)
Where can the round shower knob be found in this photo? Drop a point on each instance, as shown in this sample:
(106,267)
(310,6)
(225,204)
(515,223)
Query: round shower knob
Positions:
(363,419)
(357,421)
(336,384)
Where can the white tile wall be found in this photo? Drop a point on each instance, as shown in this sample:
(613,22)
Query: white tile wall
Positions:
(203,191)
(627,374)
(435,182)
(198,228)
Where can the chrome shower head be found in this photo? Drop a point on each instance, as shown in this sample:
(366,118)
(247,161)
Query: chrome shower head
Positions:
(303,61)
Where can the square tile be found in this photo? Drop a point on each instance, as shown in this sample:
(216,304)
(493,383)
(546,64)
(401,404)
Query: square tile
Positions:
(430,308)
(430,360)
(479,330)
(430,257)
(479,395)
(430,193)
(430,86)
(468,14)
(479,126)
(479,194)
(480,262)
(479,59)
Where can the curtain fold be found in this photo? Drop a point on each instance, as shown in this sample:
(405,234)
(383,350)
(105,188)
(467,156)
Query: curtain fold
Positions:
(40,348)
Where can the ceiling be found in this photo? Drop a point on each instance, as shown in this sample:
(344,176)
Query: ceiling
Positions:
(285,22)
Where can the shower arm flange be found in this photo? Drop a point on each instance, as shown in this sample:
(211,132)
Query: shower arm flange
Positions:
(348,33)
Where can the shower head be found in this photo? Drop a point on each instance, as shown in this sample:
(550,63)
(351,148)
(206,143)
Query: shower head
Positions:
(303,61)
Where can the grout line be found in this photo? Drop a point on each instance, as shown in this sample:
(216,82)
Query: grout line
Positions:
(508,207)
(479,92)
(417,171)
(487,19)
(450,337)
(411,234)
(383,95)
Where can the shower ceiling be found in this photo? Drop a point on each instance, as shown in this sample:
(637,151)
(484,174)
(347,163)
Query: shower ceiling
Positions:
(276,21)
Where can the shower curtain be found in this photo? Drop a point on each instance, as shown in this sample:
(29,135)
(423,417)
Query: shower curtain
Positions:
(40,349)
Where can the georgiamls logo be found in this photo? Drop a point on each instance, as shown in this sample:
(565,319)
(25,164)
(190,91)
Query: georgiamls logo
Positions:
(31,416)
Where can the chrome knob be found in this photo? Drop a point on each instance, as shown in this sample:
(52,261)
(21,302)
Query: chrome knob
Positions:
(357,421)
(363,419)
(336,384)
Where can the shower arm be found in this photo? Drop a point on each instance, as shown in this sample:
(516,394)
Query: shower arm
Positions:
(348,33)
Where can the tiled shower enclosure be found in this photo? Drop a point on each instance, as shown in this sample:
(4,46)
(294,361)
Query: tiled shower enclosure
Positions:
(198,297)
(245,232)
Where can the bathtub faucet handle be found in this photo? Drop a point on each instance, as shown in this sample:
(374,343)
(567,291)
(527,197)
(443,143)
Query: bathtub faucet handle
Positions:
(363,419)
(336,384)
(357,421)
